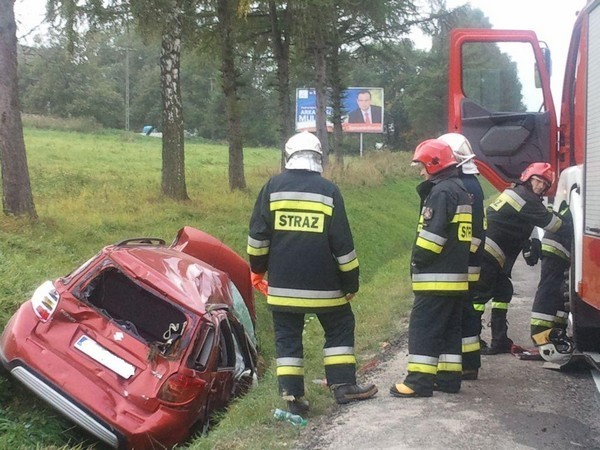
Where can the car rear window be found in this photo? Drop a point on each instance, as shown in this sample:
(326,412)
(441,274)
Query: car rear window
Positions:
(135,308)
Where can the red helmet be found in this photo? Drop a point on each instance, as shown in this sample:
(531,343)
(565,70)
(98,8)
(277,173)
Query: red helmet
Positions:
(435,155)
(539,169)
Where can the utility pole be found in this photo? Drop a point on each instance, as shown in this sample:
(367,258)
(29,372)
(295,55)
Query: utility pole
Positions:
(127,85)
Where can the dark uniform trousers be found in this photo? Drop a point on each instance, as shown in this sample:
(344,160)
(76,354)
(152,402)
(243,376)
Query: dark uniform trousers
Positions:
(548,310)
(471,328)
(339,359)
(495,285)
(471,355)
(435,325)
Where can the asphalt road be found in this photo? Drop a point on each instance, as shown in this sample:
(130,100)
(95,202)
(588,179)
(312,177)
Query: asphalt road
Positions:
(514,404)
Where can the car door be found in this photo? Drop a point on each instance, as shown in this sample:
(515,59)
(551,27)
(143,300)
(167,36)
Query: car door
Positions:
(499,98)
(203,361)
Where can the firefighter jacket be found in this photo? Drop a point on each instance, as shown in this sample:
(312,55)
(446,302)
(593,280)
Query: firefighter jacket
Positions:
(559,243)
(511,218)
(299,233)
(476,196)
(440,257)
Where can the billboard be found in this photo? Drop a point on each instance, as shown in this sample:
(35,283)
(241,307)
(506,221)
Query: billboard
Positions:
(363,110)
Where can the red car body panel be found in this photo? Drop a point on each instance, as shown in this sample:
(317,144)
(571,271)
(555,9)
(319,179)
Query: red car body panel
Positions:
(107,373)
(184,280)
(208,248)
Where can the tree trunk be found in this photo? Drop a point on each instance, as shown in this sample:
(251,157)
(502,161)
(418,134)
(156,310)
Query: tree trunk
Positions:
(226,13)
(321,91)
(280,42)
(336,103)
(173,155)
(17,198)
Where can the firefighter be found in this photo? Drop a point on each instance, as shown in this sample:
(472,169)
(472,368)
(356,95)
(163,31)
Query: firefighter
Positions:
(440,271)
(548,310)
(471,359)
(300,235)
(511,219)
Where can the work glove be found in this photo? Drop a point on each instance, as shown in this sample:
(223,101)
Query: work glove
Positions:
(532,251)
(564,209)
(259,282)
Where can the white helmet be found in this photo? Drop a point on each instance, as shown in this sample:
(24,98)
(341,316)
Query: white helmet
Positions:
(303,151)
(462,151)
(559,348)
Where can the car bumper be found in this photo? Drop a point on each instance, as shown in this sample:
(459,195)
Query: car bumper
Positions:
(66,406)
(112,419)
(3,361)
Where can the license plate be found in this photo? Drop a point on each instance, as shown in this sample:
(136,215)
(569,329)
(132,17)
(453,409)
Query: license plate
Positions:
(91,348)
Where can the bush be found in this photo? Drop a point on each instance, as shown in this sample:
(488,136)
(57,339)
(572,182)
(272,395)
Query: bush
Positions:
(80,124)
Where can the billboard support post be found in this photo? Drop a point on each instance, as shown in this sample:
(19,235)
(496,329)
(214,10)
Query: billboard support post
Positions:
(361,145)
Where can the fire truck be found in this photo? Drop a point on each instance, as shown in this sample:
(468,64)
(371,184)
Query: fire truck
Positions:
(499,97)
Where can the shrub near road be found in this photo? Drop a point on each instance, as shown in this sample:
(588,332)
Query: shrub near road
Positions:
(91,190)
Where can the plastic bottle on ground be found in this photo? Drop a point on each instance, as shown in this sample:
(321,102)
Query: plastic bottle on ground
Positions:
(287,416)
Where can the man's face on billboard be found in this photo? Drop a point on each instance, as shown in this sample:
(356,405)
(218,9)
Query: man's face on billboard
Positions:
(364,100)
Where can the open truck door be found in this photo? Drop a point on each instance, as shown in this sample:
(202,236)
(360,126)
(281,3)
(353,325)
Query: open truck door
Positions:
(499,98)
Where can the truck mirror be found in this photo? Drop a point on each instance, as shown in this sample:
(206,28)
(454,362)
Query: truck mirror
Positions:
(547,63)
(547,59)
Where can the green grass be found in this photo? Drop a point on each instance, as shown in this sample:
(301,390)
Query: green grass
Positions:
(92,190)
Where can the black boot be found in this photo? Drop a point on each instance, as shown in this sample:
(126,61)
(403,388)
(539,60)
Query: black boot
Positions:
(298,406)
(483,344)
(500,341)
(347,393)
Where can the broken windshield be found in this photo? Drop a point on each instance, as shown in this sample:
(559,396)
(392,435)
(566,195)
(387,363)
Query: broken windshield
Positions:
(135,309)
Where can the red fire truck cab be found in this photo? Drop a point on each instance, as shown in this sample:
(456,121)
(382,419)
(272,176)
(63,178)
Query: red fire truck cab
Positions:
(499,98)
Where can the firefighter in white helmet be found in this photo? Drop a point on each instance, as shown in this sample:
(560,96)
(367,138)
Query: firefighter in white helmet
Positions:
(468,172)
(300,235)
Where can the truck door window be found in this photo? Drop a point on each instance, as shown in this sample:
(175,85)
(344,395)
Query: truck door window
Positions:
(500,77)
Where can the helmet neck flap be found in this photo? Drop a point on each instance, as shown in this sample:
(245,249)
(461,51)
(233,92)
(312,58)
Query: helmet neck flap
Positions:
(305,160)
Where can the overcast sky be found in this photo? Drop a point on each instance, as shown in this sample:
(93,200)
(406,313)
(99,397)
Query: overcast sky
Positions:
(552,20)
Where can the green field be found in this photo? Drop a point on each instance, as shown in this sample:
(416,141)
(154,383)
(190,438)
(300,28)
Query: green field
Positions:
(91,190)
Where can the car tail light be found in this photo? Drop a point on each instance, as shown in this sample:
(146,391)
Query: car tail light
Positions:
(44,301)
(181,388)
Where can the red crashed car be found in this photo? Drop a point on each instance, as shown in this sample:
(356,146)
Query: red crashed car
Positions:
(142,342)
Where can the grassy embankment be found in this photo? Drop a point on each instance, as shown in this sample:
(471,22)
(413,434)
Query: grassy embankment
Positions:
(92,190)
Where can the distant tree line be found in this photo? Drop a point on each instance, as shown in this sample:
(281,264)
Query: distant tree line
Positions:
(113,74)
(226,70)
